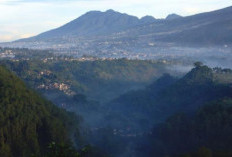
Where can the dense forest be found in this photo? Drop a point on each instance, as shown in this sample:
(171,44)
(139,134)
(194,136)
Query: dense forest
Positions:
(206,133)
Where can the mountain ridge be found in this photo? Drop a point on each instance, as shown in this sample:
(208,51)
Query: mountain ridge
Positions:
(97,23)
(98,32)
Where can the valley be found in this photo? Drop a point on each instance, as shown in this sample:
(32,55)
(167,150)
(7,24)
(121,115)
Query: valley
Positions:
(120,100)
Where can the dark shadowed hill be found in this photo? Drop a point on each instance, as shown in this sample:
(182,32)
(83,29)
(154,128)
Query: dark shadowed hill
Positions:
(206,133)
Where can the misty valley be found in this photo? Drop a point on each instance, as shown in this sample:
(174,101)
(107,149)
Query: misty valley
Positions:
(108,84)
(132,107)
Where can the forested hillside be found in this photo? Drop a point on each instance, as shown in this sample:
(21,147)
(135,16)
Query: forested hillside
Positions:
(169,95)
(28,122)
(60,78)
(207,133)
(191,116)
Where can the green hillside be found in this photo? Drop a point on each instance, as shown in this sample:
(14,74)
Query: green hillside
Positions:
(205,134)
(169,95)
(96,79)
(29,123)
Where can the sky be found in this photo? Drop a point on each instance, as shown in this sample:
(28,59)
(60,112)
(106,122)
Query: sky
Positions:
(25,18)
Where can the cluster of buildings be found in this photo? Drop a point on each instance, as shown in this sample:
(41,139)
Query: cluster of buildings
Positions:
(55,85)
(7,54)
(58,86)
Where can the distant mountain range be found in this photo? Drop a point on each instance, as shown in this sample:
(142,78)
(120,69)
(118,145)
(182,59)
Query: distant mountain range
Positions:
(96,23)
(112,32)
(211,28)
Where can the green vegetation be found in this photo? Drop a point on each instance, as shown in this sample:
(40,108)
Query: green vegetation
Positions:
(168,95)
(210,127)
(28,123)
(183,124)
(96,79)
(62,150)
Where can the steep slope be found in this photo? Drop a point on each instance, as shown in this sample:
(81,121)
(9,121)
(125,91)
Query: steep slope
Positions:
(28,123)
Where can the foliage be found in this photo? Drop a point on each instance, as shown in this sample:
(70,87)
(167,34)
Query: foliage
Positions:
(167,96)
(28,123)
(93,78)
(210,127)
(61,150)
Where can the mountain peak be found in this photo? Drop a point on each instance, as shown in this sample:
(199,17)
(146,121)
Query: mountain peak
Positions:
(173,16)
(200,74)
(95,23)
(110,22)
(92,12)
(107,12)
(111,11)
(147,19)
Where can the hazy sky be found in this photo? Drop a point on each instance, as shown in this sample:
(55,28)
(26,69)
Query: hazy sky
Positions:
(24,18)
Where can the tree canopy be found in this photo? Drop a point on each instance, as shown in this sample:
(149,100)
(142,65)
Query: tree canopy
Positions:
(28,122)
